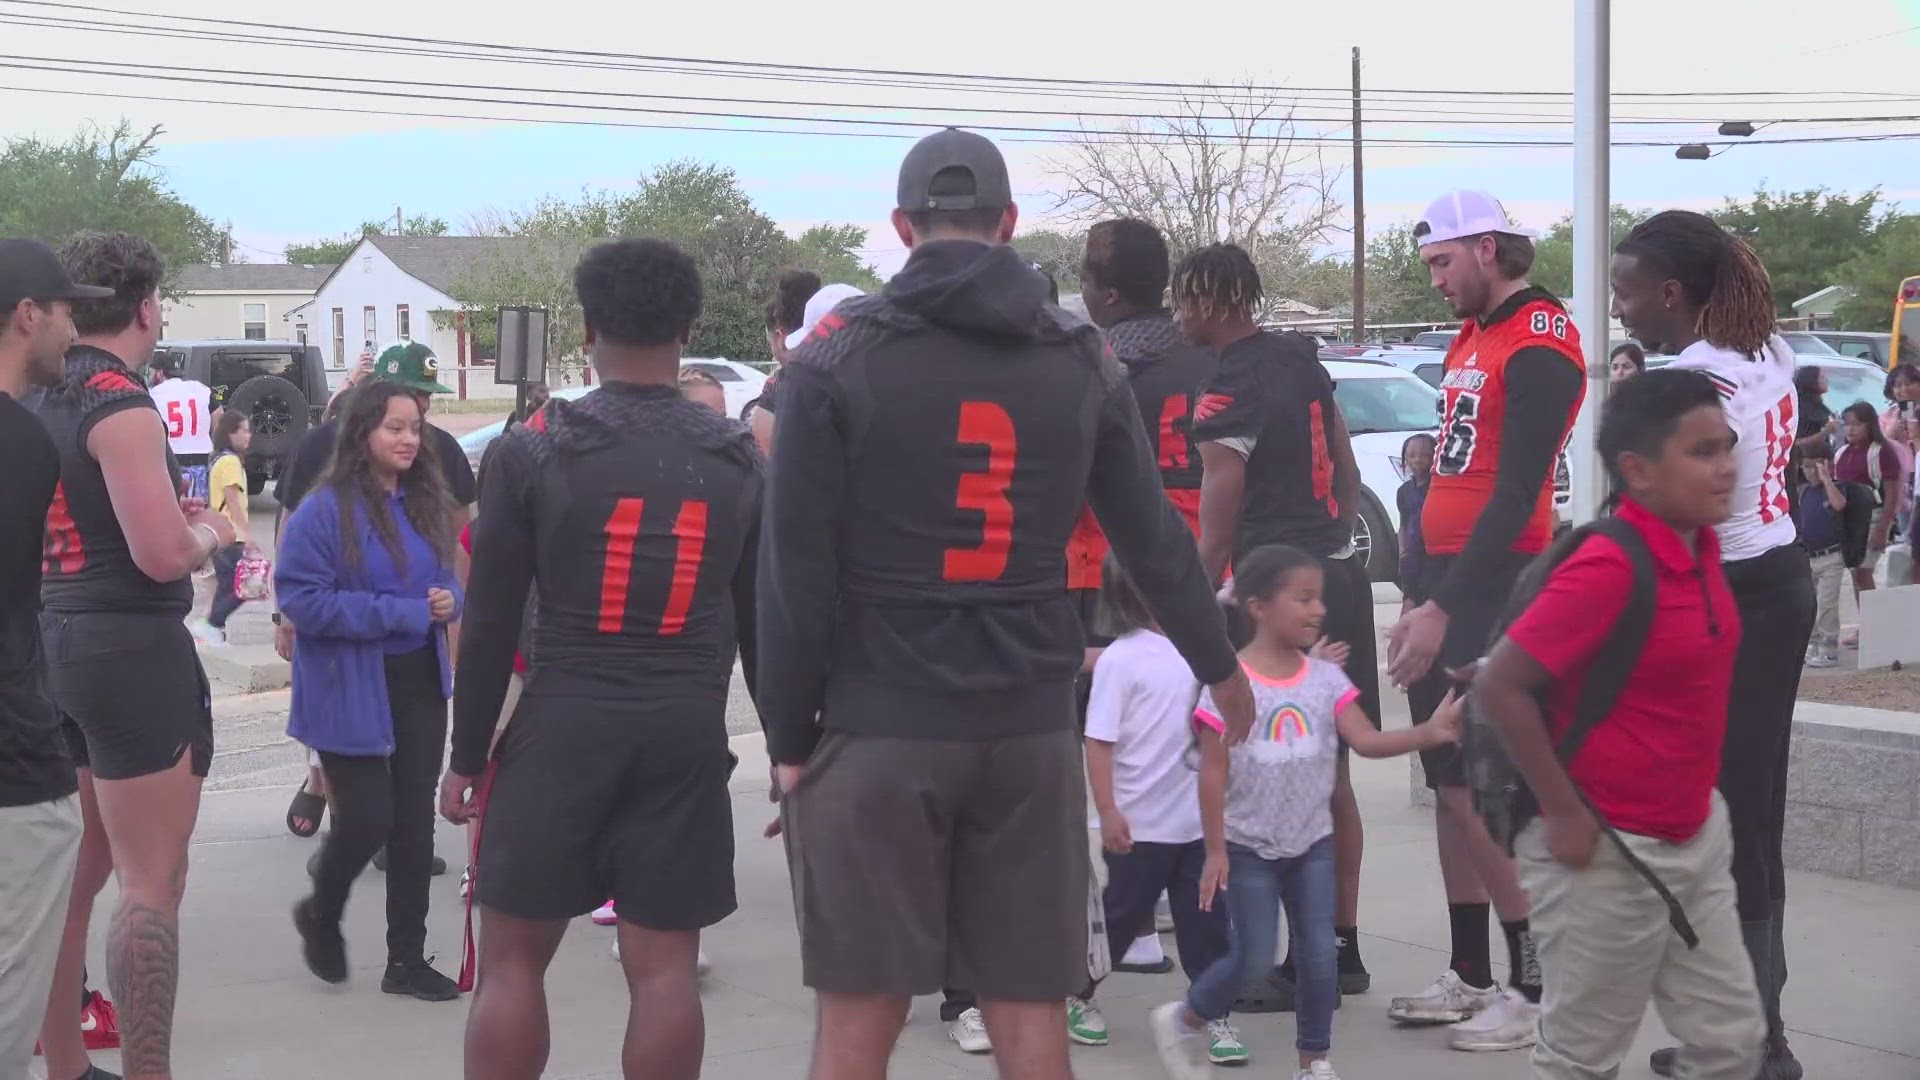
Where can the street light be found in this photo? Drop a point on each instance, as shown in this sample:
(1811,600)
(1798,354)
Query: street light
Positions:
(1735,129)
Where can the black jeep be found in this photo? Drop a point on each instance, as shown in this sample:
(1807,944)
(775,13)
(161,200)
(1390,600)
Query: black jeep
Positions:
(280,385)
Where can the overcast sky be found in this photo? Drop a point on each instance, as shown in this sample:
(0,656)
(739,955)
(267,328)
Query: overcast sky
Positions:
(281,175)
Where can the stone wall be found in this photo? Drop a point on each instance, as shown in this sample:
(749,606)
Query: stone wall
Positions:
(1853,793)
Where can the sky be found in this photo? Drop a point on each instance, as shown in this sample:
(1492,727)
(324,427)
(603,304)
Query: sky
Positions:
(282,175)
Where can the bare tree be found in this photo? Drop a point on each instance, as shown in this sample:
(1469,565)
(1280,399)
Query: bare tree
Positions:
(1225,164)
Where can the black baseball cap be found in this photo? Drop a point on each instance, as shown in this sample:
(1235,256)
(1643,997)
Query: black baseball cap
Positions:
(29,270)
(976,174)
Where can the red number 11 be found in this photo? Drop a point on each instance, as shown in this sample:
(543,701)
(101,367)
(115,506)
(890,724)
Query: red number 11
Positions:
(616,573)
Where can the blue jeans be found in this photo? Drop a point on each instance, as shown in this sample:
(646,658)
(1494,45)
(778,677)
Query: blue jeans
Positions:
(1256,889)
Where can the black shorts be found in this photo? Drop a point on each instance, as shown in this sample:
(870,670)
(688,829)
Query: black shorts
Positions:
(919,864)
(592,802)
(131,692)
(1086,604)
(1468,628)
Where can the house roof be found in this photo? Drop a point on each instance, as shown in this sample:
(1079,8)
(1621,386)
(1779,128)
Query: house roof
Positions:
(250,277)
(1831,292)
(439,260)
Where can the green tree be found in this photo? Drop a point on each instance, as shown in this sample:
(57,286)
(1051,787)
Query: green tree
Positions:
(1399,288)
(1553,252)
(698,206)
(1874,276)
(1805,237)
(101,180)
(330,252)
(1058,253)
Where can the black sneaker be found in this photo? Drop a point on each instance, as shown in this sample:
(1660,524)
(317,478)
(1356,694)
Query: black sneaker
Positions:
(95,1072)
(1354,976)
(417,978)
(321,944)
(380,863)
(1780,1064)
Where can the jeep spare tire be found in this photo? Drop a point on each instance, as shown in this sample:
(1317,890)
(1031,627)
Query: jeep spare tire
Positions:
(276,410)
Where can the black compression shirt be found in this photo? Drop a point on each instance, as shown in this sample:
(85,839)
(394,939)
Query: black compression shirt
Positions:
(33,757)
(86,562)
(637,513)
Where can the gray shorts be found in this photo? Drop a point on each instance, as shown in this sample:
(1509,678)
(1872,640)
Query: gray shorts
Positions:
(923,863)
(38,845)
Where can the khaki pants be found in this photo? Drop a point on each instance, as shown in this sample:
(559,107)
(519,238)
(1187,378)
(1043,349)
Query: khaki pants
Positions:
(38,845)
(1606,950)
(1829,573)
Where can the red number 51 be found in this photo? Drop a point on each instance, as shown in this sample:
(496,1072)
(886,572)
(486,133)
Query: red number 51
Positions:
(985,424)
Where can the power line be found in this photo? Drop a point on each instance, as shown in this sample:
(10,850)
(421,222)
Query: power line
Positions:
(744,130)
(822,69)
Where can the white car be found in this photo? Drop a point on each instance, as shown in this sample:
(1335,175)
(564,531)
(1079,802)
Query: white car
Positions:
(741,384)
(1383,404)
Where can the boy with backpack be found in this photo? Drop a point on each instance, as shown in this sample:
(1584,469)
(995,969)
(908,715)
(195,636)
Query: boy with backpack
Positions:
(1613,721)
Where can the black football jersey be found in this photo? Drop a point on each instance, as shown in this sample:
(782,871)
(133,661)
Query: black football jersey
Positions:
(85,563)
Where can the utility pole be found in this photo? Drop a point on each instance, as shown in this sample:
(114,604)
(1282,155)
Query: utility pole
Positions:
(1359,215)
(399,223)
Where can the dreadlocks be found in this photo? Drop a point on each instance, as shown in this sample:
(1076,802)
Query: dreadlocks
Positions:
(1715,269)
(1220,281)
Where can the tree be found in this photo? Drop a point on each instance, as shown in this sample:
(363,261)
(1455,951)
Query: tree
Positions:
(1553,252)
(1875,275)
(1399,288)
(101,180)
(1058,253)
(698,206)
(331,252)
(1224,165)
(1805,237)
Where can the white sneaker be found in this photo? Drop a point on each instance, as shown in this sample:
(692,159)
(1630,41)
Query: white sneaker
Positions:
(206,633)
(1510,1023)
(1183,1051)
(1319,1070)
(1822,660)
(1145,952)
(969,1033)
(604,915)
(1447,1001)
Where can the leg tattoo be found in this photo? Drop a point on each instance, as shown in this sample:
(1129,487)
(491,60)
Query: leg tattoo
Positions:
(143,967)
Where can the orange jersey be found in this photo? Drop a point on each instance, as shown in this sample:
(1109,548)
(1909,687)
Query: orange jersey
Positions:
(1475,389)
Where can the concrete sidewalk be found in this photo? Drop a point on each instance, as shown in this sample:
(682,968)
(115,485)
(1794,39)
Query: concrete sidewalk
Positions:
(248,1010)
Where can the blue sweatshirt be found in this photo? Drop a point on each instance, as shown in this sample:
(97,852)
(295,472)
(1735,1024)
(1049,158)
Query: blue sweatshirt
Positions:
(349,619)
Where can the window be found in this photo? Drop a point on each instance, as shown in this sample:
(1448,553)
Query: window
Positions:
(300,333)
(720,372)
(403,323)
(1390,404)
(339,338)
(370,327)
(1861,349)
(254,318)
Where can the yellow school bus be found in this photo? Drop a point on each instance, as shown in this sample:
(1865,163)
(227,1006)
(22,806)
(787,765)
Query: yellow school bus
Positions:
(1906,301)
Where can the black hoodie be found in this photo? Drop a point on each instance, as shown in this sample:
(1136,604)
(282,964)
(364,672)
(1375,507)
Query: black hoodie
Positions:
(935,444)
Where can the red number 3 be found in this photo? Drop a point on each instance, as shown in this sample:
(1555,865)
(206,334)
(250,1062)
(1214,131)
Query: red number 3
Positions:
(985,424)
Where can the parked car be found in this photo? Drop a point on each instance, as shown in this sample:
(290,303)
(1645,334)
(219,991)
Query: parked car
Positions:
(741,384)
(1873,348)
(1808,343)
(280,385)
(1427,363)
(1436,339)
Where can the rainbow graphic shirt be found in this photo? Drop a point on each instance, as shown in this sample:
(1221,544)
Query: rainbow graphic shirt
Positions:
(1280,781)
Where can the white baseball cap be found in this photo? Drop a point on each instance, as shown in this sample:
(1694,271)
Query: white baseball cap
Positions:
(1460,214)
(819,306)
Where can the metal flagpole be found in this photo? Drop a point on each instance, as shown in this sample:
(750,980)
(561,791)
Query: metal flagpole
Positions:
(1592,241)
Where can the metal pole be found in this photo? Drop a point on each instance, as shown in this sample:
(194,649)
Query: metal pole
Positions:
(1359,215)
(1592,239)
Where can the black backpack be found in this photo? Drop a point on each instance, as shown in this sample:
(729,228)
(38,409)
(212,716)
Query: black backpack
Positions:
(1500,792)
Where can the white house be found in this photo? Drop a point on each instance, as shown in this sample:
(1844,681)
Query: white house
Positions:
(238,301)
(1817,308)
(389,289)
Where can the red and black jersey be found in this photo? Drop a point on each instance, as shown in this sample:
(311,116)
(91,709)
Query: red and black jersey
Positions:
(936,444)
(1167,375)
(1531,329)
(1272,401)
(636,513)
(85,563)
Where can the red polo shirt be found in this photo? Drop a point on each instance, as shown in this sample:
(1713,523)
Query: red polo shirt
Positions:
(1650,766)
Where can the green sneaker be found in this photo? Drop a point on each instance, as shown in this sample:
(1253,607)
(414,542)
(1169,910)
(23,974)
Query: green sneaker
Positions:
(1223,1044)
(1085,1025)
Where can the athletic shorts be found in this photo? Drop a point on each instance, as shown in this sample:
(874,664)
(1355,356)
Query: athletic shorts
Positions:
(592,801)
(1468,629)
(923,863)
(131,692)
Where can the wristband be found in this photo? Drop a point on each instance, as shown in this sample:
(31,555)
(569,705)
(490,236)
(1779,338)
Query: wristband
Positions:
(213,538)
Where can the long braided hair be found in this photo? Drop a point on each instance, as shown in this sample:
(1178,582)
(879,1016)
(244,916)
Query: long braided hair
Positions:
(1218,282)
(1716,270)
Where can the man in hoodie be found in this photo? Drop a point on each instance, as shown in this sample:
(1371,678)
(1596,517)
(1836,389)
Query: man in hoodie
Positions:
(935,444)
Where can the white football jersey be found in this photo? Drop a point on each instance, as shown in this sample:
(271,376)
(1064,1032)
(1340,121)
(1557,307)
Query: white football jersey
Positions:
(184,406)
(1764,410)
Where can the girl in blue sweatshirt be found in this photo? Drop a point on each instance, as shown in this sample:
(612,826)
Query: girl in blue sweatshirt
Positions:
(366,575)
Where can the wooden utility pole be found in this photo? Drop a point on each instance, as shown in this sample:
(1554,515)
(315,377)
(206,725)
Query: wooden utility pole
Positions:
(1359,215)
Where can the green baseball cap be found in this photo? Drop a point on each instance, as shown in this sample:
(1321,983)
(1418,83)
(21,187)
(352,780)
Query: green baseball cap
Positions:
(412,365)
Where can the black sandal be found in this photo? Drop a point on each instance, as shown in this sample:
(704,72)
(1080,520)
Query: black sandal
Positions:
(305,813)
